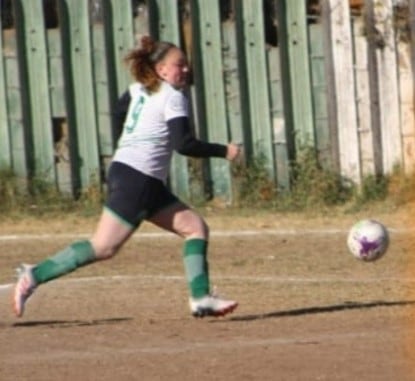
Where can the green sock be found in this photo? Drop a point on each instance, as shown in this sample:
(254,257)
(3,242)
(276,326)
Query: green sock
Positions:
(69,259)
(196,267)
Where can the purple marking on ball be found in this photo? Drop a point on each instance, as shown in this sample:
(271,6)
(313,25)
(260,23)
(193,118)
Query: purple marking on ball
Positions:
(367,246)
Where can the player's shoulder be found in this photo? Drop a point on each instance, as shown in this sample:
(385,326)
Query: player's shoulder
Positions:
(170,91)
(136,89)
(172,98)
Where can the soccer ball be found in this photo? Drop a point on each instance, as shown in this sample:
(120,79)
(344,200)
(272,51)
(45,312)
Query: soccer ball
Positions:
(368,240)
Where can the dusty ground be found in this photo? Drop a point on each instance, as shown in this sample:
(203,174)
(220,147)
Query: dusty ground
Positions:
(308,310)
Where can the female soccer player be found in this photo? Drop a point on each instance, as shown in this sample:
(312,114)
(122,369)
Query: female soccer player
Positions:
(155,121)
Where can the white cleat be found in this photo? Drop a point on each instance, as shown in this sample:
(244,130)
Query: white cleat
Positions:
(24,287)
(211,305)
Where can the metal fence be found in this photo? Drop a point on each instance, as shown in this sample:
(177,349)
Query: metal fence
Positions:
(277,76)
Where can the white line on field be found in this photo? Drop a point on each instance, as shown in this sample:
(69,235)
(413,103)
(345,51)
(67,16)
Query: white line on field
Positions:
(273,341)
(238,278)
(175,346)
(215,233)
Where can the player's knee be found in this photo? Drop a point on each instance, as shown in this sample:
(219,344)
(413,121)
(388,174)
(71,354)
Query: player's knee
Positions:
(103,251)
(198,229)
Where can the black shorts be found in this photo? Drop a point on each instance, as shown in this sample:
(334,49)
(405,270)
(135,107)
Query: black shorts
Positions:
(134,196)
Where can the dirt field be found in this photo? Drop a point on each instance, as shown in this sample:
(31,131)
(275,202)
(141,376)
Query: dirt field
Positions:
(308,310)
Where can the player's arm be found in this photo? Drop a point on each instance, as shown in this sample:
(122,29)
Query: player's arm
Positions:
(185,143)
(120,113)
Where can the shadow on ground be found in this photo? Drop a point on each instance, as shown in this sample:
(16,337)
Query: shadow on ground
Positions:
(70,323)
(320,310)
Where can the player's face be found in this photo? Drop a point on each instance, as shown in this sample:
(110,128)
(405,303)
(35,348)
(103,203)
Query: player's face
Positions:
(174,68)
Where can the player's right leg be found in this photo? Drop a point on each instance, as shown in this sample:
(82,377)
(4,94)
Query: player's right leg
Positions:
(65,261)
(119,219)
(110,234)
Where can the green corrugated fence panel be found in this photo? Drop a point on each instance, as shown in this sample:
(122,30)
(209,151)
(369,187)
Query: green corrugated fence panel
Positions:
(32,40)
(231,81)
(233,97)
(319,93)
(412,23)
(14,105)
(5,154)
(244,93)
(166,28)
(56,81)
(164,17)
(77,55)
(141,21)
(118,22)
(119,40)
(210,77)
(102,98)
(58,108)
(294,38)
(282,165)
(256,92)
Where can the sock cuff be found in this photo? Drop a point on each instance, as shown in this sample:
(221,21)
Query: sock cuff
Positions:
(195,246)
(65,261)
(84,251)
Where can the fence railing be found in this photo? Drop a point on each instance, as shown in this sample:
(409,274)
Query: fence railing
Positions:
(277,76)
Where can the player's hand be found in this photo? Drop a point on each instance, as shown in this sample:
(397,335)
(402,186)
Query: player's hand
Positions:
(234,150)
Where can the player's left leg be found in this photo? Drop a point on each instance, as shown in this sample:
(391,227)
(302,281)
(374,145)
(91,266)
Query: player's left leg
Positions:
(180,219)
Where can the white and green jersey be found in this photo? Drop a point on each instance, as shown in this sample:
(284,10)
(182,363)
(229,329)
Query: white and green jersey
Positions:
(146,143)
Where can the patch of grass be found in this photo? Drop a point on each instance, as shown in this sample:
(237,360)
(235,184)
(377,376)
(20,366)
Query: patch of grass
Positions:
(252,183)
(311,186)
(373,188)
(401,187)
(11,194)
(37,197)
(91,200)
(313,189)
(316,188)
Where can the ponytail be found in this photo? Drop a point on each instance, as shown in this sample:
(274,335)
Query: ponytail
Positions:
(142,62)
